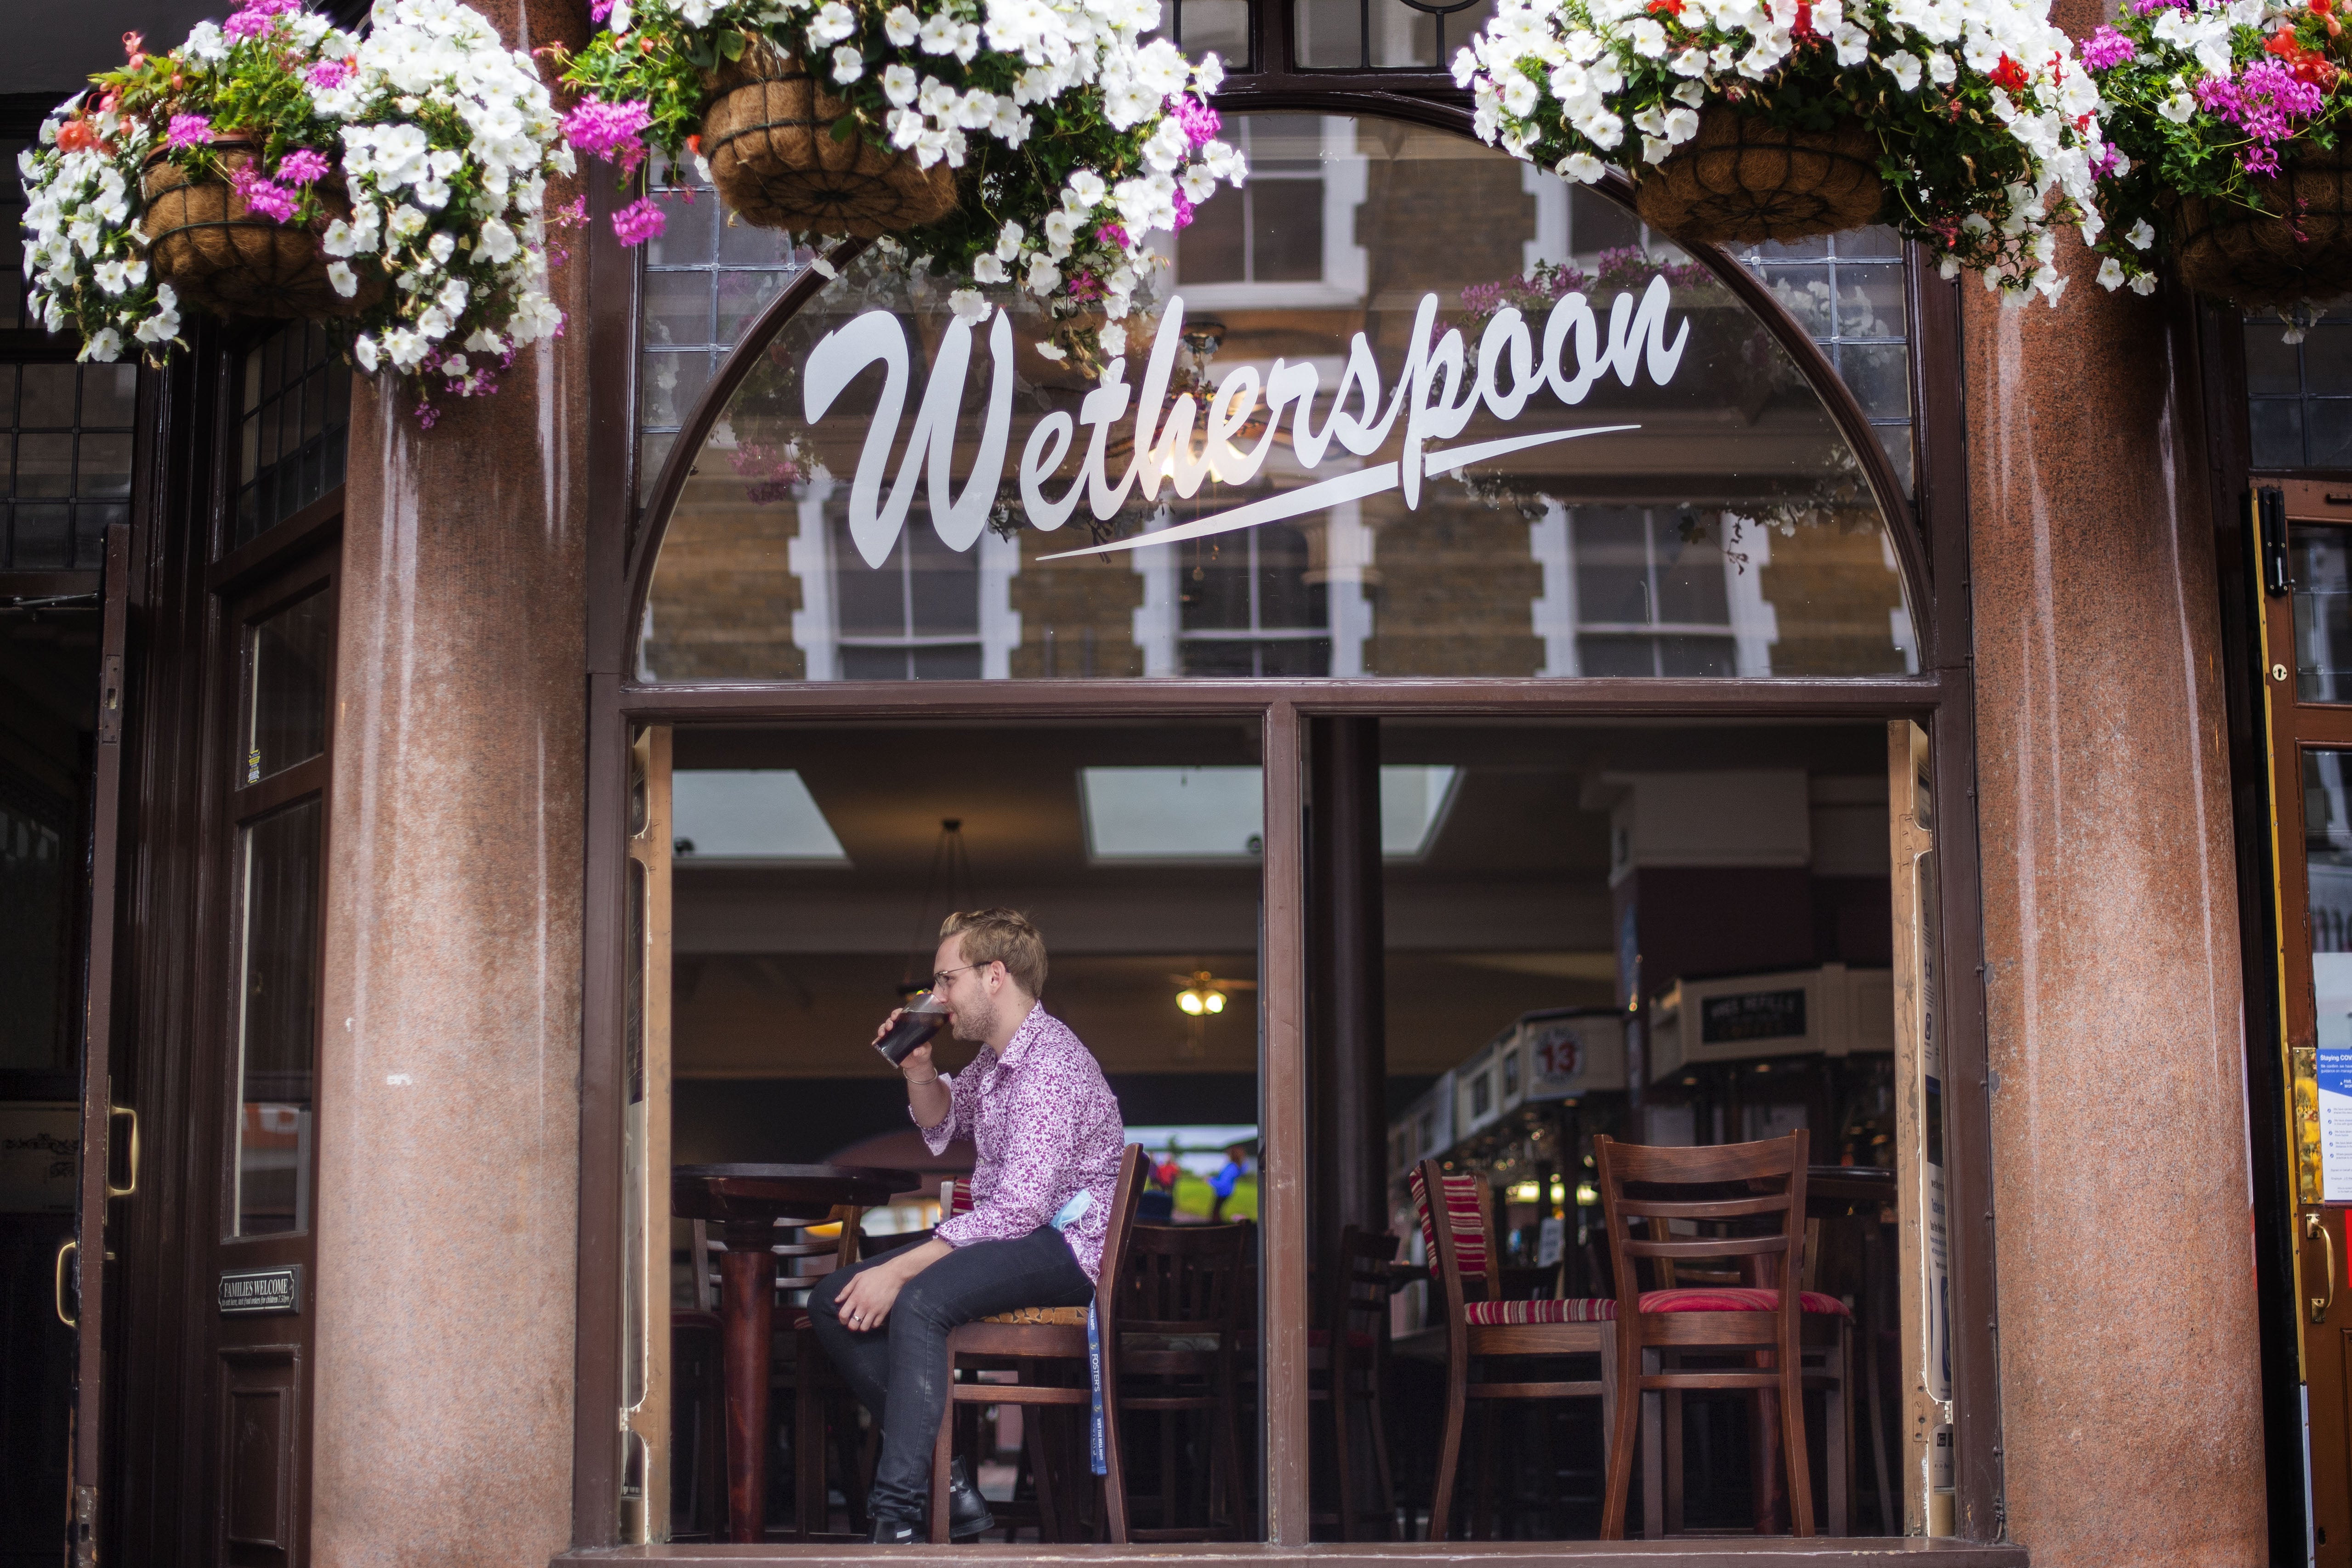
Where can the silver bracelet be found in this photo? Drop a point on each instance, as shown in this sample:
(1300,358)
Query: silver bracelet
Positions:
(917,1082)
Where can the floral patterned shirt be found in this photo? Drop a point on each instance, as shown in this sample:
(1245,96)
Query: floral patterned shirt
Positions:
(1046,1127)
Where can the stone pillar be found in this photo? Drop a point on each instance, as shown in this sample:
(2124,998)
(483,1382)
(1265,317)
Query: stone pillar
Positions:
(2130,1399)
(450,1100)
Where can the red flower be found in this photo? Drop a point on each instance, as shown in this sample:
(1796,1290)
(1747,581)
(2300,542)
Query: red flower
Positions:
(2009,74)
(1664,7)
(76,136)
(1804,26)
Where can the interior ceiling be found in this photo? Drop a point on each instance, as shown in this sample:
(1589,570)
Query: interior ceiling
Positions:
(785,972)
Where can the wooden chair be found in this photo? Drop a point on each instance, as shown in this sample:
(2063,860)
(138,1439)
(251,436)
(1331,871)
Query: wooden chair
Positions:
(1763,1322)
(1346,1370)
(1459,1230)
(1055,1335)
(1180,1316)
(698,1426)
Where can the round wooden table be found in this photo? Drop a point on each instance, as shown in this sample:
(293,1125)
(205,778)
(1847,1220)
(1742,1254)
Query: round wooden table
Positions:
(747,1201)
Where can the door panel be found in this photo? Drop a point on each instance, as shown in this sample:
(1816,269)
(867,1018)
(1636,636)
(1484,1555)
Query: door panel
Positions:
(2306,654)
(261,1421)
(100,1117)
(271,854)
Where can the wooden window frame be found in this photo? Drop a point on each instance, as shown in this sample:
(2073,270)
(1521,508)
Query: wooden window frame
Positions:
(1930,540)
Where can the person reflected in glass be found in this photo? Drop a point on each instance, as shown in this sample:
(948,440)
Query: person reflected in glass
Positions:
(1227,1181)
(1048,1135)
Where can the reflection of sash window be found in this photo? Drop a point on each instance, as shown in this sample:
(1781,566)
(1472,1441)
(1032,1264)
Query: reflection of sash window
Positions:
(1652,595)
(1251,607)
(1286,238)
(914,618)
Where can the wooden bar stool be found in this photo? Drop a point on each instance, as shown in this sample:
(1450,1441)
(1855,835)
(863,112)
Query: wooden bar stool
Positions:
(1459,1231)
(1034,1339)
(1347,1371)
(821,1402)
(1766,1327)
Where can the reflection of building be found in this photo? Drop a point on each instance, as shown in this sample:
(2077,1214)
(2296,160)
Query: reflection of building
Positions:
(1728,533)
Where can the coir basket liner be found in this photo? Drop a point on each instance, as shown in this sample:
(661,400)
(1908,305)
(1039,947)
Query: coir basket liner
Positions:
(1740,181)
(215,252)
(774,157)
(2301,248)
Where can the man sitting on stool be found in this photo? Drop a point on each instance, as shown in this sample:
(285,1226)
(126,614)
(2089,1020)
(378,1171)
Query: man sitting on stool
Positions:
(1048,1134)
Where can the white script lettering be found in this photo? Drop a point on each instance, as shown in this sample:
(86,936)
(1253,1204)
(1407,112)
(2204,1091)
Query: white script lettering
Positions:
(1437,391)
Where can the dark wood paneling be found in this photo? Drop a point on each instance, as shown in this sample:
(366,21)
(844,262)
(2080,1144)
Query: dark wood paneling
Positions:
(261,1436)
(35,1392)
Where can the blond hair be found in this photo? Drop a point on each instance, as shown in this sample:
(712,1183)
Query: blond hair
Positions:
(1001,935)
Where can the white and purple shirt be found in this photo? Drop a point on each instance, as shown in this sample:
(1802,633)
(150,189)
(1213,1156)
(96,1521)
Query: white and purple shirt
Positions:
(1046,1128)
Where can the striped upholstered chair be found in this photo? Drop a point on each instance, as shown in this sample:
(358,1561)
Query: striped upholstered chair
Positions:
(1458,1231)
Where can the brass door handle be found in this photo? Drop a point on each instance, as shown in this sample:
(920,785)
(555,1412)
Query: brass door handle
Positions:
(111,1190)
(69,1319)
(2315,1225)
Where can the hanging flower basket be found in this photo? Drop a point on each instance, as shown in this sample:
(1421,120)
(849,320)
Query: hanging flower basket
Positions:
(781,158)
(2227,124)
(394,186)
(205,241)
(2227,127)
(2299,249)
(1741,180)
(1005,144)
(1969,126)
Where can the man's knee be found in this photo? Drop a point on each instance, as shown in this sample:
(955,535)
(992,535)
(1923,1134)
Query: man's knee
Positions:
(826,1298)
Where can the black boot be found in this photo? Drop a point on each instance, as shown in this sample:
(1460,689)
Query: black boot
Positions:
(890,1532)
(968,1513)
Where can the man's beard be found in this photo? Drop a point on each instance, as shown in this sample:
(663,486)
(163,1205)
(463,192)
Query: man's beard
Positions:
(975,1024)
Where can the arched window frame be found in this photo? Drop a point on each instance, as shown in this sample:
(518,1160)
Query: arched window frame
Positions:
(1929,536)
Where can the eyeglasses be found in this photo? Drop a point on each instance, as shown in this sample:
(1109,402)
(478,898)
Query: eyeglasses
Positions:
(939,981)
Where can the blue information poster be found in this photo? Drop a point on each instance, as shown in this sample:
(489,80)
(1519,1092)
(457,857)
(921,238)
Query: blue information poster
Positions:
(2331,974)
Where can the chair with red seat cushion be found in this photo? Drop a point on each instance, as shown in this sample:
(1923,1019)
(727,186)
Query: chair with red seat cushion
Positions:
(1480,1323)
(1752,1196)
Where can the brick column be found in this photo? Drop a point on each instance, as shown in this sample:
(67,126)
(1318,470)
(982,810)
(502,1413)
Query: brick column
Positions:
(449,1105)
(2130,1406)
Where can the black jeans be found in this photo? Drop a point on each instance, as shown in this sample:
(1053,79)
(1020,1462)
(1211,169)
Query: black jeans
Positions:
(900,1370)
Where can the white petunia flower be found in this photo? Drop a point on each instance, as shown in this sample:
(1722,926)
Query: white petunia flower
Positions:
(848,64)
(2140,235)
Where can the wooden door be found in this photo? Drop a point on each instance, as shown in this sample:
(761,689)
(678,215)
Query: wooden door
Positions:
(2304,534)
(81,1273)
(271,855)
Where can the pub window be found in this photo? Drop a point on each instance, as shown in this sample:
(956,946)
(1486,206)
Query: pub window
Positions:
(1386,34)
(704,278)
(295,403)
(1846,290)
(12,234)
(1219,27)
(68,473)
(2299,390)
(1764,550)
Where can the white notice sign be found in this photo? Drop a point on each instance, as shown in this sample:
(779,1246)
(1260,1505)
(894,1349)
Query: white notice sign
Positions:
(2331,983)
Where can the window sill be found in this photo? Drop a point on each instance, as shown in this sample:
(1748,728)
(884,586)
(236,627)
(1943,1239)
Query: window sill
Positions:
(1768,1553)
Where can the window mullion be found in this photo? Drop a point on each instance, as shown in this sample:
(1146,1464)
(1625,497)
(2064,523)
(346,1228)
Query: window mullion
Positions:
(1282,1180)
